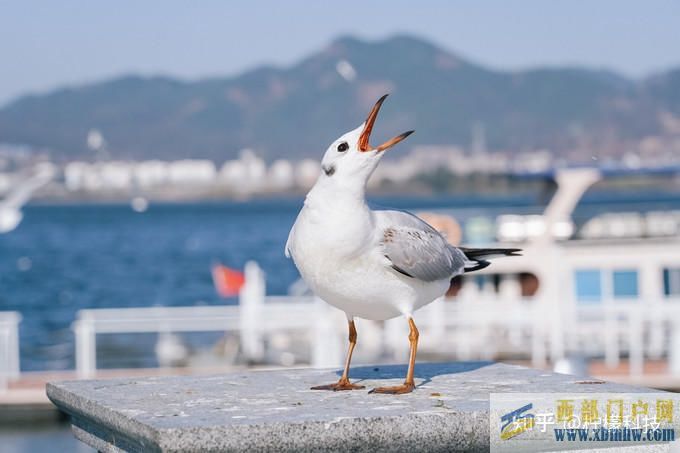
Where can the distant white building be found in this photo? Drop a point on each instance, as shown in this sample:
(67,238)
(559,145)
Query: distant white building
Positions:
(246,174)
(250,174)
(281,175)
(232,173)
(306,173)
(74,175)
(115,175)
(255,168)
(151,173)
(192,172)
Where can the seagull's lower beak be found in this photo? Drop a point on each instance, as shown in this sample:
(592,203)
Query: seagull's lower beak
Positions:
(368,127)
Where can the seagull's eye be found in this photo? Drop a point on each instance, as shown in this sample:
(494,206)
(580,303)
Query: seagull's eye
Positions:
(342,147)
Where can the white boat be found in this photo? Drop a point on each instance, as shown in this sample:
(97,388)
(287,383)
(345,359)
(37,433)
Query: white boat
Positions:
(609,291)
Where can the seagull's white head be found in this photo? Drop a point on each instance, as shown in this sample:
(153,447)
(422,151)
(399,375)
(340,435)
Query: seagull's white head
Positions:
(350,160)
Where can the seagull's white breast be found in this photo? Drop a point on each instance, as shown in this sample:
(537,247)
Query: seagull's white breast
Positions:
(339,256)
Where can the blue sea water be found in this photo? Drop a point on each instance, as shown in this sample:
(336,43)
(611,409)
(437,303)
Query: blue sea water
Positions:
(63,258)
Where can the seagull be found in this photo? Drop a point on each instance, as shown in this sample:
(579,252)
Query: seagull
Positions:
(371,264)
(11,204)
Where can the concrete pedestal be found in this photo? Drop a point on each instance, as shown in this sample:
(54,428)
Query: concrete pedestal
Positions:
(276,411)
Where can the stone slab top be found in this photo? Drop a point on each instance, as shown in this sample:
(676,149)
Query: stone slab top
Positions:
(276,410)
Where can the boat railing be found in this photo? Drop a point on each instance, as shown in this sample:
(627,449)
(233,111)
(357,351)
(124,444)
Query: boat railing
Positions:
(636,328)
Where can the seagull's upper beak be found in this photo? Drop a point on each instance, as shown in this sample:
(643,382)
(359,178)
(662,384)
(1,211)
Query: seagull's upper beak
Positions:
(368,127)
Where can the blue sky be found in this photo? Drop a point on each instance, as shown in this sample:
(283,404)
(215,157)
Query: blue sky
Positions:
(54,43)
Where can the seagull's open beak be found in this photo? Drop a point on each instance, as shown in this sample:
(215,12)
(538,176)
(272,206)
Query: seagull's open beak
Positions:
(368,127)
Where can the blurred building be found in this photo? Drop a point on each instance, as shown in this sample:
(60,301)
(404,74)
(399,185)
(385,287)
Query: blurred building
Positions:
(306,173)
(151,173)
(192,172)
(281,175)
(245,174)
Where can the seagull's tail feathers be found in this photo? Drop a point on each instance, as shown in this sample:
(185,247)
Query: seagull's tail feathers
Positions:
(478,258)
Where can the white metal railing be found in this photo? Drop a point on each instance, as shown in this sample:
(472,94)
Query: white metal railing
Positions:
(297,313)
(9,347)
(471,326)
(254,317)
(637,328)
(482,327)
(89,323)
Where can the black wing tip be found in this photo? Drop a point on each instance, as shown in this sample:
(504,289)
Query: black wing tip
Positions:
(479,266)
(472,254)
(477,255)
(506,251)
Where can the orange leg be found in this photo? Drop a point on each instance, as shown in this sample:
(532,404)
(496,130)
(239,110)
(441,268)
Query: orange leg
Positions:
(343,383)
(409,384)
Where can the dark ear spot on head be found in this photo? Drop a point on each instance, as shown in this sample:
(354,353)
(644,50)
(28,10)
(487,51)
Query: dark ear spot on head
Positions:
(328,170)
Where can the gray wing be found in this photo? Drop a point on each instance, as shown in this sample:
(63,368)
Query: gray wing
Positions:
(415,249)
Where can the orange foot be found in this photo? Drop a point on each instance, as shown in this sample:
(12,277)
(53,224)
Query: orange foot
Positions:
(342,384)
(396,390)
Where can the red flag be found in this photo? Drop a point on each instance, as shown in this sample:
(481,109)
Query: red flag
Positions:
(228,282)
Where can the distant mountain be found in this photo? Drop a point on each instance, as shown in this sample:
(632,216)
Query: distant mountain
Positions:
(297,111)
